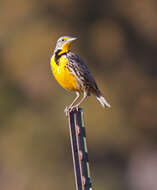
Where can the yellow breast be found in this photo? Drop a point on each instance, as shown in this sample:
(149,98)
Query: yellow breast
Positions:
(62,74)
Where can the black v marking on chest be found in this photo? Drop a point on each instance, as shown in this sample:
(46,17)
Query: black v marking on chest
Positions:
(57,55)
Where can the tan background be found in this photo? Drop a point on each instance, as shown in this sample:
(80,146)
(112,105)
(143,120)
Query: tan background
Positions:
(118,41)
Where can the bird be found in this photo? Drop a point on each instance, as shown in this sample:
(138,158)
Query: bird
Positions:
(72,74)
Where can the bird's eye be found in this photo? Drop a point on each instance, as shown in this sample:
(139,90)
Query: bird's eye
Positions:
(63,40)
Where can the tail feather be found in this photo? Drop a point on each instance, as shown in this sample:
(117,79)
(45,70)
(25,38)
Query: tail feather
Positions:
(103,101)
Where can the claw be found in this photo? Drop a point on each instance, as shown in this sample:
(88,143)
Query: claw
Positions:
(73,108)
(69,109)
(76,107)
(66,111)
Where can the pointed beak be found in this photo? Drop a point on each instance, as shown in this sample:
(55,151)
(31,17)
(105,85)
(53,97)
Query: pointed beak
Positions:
(71,39)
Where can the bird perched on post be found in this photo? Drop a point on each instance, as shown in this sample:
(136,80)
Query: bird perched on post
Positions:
(72,74)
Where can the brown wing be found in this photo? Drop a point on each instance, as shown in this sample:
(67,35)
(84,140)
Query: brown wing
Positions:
(84,77)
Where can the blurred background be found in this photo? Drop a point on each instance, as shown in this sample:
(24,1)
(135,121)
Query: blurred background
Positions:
(118,41)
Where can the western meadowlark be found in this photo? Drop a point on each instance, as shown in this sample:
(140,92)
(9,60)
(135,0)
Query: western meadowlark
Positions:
(72,74)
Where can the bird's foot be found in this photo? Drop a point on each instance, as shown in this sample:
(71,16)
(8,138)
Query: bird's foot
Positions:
(70,108)
(66,111)
(73,108)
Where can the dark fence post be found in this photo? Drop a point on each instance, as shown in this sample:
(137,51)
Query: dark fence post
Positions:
(79,150)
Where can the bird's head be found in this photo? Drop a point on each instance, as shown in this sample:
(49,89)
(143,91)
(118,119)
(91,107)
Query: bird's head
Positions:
(63,44)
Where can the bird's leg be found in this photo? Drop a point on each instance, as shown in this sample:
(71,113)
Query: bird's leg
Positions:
(77,96)
(69,107)
(77,105)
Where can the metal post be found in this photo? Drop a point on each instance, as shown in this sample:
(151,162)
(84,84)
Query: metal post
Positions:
(79,150)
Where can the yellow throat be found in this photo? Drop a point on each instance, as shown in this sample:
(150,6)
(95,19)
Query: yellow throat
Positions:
(59,62)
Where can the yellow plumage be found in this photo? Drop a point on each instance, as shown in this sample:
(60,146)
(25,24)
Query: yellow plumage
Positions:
(72,74)
(62,74)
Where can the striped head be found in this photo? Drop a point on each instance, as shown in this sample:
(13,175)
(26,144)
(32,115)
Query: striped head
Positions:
(63,44)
